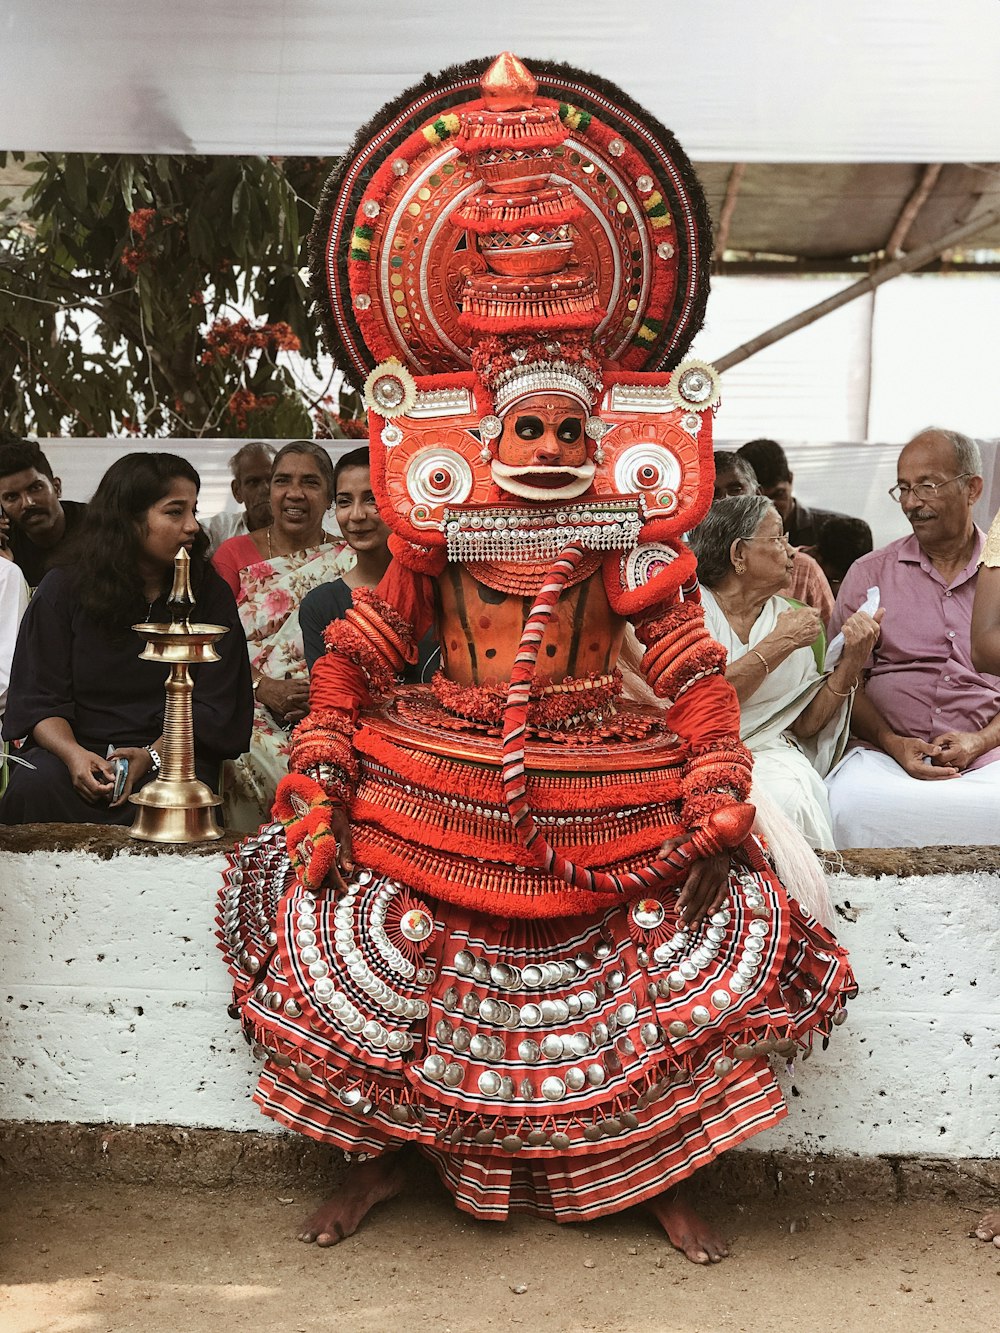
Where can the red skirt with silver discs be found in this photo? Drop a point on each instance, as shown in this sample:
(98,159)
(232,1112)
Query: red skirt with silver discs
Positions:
(565,1065)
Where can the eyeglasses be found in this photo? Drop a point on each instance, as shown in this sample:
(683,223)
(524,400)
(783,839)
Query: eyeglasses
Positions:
(776,541)
(924,490)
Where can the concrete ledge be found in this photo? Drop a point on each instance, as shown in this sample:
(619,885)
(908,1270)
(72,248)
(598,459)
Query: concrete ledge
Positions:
(868,862)
(164,1154)
(214,1159)
(114,1010)
(100,840)
(913,862)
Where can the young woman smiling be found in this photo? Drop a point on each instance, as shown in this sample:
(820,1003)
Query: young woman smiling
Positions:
(78,685)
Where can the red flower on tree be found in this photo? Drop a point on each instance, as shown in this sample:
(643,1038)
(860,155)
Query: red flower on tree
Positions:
(238,338)
(245,401)
(141,220)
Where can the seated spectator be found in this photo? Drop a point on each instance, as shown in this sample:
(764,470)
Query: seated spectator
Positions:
(925,770)
(794,715)
(368,537)
(13,600)
(735,476)
(31,497)
(79,688)
(251,487)
(270,571)
(841,541)
(803,526)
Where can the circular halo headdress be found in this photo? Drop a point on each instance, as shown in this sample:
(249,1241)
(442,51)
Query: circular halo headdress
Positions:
(497,231)
(621,202)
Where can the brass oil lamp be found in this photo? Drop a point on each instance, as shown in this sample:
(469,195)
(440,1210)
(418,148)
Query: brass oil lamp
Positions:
(176,807)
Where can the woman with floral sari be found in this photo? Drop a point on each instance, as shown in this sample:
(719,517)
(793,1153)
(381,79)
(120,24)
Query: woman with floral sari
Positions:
(270,571)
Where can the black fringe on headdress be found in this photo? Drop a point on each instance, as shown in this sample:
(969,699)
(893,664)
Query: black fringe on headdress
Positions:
(564,82)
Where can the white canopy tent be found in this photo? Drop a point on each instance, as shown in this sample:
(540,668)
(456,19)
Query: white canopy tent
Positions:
(768,81)
(901,80)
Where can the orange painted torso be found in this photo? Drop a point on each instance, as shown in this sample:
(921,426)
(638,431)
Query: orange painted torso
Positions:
(479,629)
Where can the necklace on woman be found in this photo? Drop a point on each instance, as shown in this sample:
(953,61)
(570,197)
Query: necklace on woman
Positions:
(323,537)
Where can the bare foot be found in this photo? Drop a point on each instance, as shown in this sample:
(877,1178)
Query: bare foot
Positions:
(989,1229)
(367,1184)
(686,1230)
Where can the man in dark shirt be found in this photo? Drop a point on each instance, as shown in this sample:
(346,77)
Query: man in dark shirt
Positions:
(31,498)
(802,525)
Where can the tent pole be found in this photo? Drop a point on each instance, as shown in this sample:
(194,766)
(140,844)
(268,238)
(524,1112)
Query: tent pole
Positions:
(913,205)
(728,208)
(916,259)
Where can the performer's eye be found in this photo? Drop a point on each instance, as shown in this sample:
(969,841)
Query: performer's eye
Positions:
(529,428)
(569,430)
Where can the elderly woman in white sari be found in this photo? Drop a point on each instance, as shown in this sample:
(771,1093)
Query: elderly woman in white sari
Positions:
(794,702)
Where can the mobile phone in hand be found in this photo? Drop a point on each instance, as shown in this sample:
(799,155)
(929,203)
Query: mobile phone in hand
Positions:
(121,774)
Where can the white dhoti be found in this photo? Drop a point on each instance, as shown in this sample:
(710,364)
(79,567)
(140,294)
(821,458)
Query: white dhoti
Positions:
(875,803)
(794,786)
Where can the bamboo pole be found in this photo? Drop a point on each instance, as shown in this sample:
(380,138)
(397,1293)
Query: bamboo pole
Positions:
(729,208)
(913,205)
(916,259)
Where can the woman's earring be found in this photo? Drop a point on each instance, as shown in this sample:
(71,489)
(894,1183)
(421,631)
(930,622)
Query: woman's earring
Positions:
(740,566)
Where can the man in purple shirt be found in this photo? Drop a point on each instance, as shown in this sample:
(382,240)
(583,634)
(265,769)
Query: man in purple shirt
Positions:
(927,767)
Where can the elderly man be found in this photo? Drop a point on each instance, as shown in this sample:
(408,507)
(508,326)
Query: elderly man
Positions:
(808,584)
(251,487)
(31,497)
(927,769)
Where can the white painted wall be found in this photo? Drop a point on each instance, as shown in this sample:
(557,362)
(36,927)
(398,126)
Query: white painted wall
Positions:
(113,1008)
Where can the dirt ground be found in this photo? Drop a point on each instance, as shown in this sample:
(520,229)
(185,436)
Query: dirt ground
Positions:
(121,1258)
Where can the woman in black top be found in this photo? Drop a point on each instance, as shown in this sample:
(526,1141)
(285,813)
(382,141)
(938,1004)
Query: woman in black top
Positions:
(362,528)
(78,685)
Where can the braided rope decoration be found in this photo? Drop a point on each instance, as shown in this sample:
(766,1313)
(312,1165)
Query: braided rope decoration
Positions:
(664,872)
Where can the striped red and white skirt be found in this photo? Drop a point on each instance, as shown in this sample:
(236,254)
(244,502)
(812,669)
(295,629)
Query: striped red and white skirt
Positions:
(565,1066)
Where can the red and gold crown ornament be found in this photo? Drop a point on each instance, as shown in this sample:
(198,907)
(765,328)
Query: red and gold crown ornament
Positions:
(511,228)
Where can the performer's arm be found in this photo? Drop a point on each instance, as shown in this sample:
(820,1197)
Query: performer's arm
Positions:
(685,667)
(366,651)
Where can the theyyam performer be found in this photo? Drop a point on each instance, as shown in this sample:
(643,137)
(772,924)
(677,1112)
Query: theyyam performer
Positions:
(510,917)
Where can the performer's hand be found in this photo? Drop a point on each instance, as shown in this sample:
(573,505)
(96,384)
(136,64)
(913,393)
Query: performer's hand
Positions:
(921,760)
(317,833)
(705,887)
(344,865)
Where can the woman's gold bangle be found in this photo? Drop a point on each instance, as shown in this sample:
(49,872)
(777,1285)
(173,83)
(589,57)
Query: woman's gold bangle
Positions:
(837,692)
(762,660)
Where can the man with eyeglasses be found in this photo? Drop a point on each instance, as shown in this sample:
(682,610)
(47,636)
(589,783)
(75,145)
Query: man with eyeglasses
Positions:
(925,768)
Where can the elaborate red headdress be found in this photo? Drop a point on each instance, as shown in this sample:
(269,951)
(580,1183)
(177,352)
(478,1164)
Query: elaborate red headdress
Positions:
(498,231)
